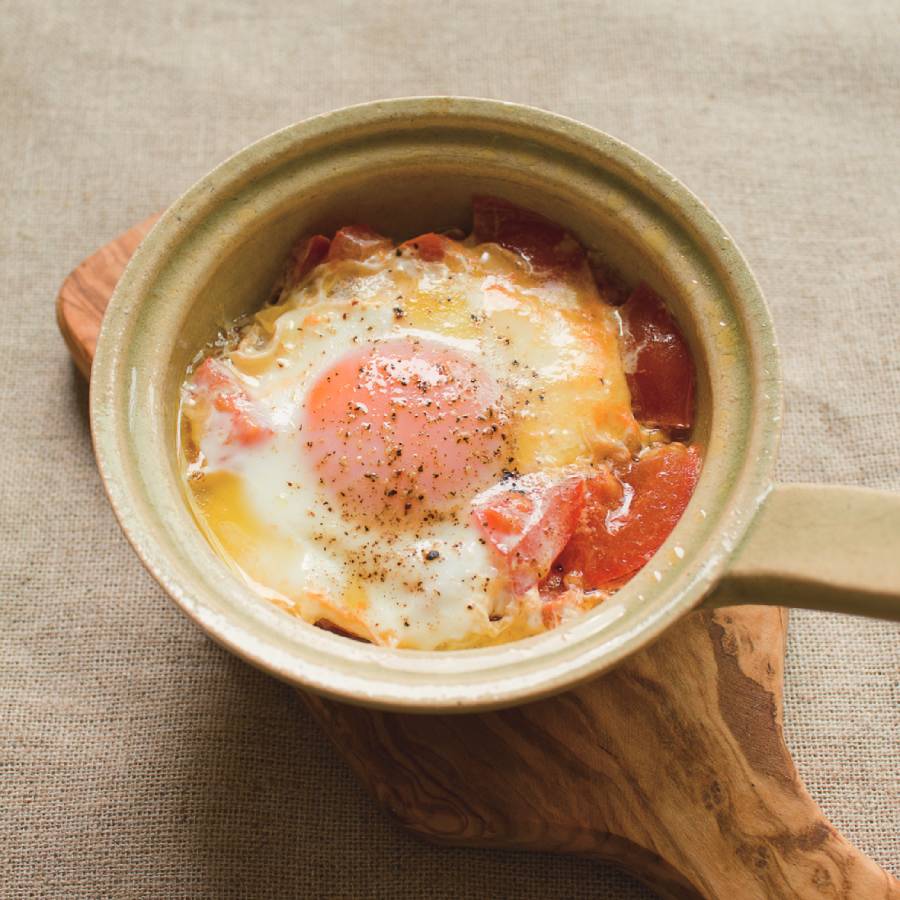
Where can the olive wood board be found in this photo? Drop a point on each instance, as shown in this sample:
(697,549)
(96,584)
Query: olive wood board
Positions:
(672,766)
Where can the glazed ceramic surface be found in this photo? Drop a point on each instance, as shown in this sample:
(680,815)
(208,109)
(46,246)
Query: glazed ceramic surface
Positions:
(408,166)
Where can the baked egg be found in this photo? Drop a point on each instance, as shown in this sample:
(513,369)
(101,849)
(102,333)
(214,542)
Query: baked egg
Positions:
(404,444)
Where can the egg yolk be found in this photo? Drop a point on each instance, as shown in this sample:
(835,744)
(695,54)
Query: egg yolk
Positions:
(404,427)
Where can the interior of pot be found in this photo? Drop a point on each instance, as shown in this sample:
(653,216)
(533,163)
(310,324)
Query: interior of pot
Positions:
(405,167)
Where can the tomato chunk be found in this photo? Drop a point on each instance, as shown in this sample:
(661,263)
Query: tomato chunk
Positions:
(658,364)
(543,243)
(245,425)
(357,242)
(615,537)
(526,521)
(430,247)
(305,256)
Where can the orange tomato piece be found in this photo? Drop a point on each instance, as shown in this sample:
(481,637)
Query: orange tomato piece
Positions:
(509,514)
(658,363)
(227,396)
(526,522)
(616,536)
(543,243)
(357,242)
(430,247)
(305,256)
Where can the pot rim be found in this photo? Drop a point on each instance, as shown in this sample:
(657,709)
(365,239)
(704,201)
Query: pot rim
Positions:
(467,680)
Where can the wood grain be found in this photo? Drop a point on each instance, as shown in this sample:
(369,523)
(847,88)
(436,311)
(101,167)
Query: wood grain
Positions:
(83,296)
(673,766)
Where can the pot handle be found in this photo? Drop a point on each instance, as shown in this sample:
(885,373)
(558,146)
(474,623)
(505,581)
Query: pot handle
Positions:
(817,546)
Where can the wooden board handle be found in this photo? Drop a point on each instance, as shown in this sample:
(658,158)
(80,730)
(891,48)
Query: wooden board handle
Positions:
(85,293)
(673,766)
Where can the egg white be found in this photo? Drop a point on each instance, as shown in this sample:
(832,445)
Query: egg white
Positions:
(552,348)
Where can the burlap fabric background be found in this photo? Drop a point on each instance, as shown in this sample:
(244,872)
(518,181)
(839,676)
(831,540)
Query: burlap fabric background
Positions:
(137,759)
